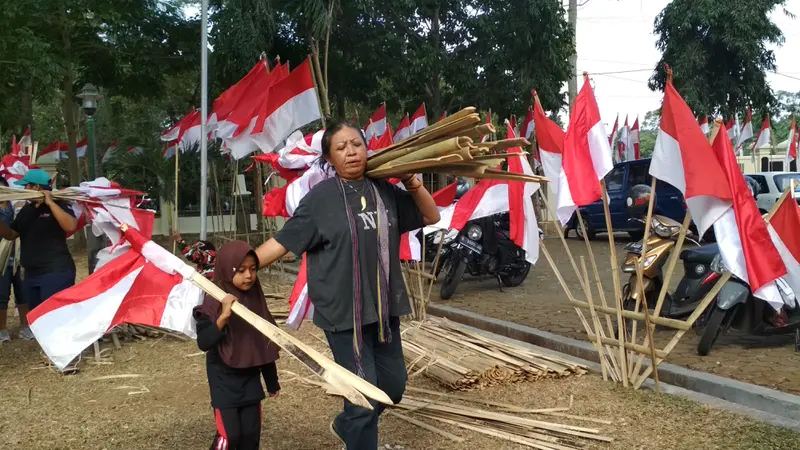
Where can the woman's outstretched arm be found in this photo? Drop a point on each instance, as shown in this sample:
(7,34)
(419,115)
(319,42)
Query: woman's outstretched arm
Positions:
(423,200)
(269,252)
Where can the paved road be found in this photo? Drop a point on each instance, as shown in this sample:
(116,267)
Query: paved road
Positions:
(540,302)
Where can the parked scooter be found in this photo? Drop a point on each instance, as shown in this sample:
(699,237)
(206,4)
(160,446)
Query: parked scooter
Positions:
(736,307)
(698,278)
(484,247)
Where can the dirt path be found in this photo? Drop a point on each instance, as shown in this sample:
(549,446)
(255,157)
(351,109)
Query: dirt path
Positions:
(540,303)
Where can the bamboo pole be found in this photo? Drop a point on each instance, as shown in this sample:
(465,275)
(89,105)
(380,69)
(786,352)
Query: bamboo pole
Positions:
(640,278)
(595,319)
(353,387)
(175,227)
(596,272)
(690,321)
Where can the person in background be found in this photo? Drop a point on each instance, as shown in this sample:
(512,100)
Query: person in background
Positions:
(43,227)
(202,253)
(237,355)
(9,279)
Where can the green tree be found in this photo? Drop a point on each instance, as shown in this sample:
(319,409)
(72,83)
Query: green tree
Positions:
(719,52)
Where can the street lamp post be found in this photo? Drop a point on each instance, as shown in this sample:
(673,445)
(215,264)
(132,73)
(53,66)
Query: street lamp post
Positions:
(89,95)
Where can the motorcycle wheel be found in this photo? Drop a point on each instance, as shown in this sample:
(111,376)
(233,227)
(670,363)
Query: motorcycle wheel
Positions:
(516,279)
(712,331)
(451,279)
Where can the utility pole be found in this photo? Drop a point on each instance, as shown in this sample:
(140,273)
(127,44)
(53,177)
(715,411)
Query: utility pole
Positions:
(572,84)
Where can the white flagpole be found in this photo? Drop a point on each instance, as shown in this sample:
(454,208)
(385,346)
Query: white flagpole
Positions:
(203,120)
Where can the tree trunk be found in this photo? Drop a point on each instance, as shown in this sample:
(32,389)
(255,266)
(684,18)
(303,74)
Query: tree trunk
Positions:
(436,75)
(340,110)
(26,107)
(572,84)
(69,111)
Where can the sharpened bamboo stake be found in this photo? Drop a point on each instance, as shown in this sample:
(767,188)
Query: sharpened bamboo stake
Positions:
(428,427)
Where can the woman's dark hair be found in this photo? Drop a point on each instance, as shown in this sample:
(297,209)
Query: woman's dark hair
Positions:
(327,137)
(3,181)
(206,246)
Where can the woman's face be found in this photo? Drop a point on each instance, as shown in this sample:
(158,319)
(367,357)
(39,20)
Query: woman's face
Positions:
(348,154)
(246,275)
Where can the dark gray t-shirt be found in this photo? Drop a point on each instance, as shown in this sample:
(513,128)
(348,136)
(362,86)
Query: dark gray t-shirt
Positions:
(319,228)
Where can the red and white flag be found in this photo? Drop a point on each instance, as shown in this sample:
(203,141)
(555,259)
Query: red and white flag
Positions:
(703,121)
(731,126)
(253,83)
(25,141)
(791,149)
(528,125)
(184,134)
(377,123)
(746,132)
(410,247)
(550,140)
(744,242)
(764,138)
(378,143)
(419,120)
(633,152)
(513,122)
(14,167)
(143,286)
(783,230)
(623,143)
(613,134)
(683,158)
(586,158)
(80,148)
(52,153)
(109,152)
(403,130)
(292,104)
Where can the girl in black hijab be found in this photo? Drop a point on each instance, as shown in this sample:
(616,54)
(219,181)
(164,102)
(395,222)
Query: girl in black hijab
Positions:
(236,353)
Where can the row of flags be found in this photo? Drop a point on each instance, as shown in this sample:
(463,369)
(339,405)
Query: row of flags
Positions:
(627,146)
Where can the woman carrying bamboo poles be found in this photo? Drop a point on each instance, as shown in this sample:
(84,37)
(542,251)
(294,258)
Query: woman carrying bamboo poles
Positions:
(349,227)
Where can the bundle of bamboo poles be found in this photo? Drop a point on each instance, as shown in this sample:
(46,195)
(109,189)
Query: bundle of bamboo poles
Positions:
(504,421)
(449,146)
(10,194)
(462,360)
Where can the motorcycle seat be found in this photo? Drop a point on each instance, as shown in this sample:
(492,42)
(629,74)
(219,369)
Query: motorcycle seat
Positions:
(704,254)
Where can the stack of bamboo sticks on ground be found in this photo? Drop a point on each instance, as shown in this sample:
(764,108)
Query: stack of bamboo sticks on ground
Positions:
(503,422)
(449,146)
(462,360)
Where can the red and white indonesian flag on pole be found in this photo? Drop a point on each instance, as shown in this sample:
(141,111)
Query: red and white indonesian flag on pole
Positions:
(81,147)
(550,140)
(377,123)
(791,149)
(744,242)
(25,141)
(403,130)
(586,158)
(143,286)
(419,120)
(528,126)
(683,158)
(703,121)
(746,133)
(764,138)
(292,104)
(731,126)
(783,230)
(623,143)
(613,134)
(634,138)
(410,247)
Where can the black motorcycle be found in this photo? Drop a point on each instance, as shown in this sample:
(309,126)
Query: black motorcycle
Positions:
(736,307)
(484,247)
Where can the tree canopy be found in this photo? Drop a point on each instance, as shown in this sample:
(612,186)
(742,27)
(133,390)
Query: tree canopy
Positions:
(718,52)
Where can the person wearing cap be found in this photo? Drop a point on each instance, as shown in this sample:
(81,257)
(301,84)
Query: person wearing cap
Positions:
(11,278)
(43,226)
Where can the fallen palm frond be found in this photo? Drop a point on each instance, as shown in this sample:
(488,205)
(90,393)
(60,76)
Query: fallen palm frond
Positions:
(449,146)
(462,360)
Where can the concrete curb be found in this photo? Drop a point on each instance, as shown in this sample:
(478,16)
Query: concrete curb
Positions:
(770,401)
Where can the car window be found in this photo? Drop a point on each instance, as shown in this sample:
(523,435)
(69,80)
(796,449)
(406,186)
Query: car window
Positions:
(614,179)
(639,174)
(782,181)
(762,182)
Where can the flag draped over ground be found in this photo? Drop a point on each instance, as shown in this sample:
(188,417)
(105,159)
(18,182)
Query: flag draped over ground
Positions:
(586,158)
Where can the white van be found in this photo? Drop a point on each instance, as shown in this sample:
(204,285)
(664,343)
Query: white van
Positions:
(772,186)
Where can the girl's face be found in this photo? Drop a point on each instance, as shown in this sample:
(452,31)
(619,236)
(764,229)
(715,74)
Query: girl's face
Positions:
(348,154)
(246,275)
